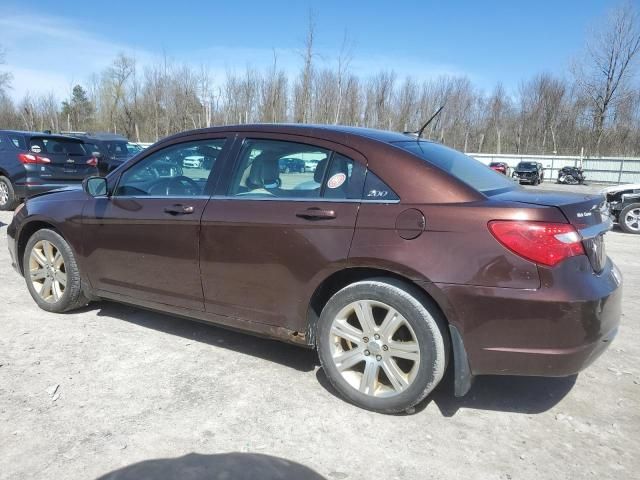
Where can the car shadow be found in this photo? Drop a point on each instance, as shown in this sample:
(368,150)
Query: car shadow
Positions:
(501,393)
(298,358)
(232,466)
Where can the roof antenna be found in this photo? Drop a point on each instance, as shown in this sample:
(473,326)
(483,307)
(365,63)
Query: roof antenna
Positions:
(418,133)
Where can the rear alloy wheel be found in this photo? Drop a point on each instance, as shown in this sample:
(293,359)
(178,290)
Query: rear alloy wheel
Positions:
(8,200)
(629,219)
(51,273)
(381,347)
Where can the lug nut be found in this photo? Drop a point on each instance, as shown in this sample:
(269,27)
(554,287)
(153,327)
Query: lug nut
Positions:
(366,352)
(385,348)
(378,357)
(365,339)
(376,336)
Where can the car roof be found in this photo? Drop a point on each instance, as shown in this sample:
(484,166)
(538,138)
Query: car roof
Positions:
(312,130)
(40,134)
(101,136)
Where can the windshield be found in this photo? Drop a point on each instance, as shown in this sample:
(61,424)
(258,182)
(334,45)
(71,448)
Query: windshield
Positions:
(461,166)
(527,165)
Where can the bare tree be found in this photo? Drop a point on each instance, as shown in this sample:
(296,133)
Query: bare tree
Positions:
(5,77)
(303,89)
(604,74)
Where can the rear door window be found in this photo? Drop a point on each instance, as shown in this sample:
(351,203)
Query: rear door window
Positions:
(277,169)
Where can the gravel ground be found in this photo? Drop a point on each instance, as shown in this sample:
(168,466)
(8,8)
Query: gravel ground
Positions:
(90,392)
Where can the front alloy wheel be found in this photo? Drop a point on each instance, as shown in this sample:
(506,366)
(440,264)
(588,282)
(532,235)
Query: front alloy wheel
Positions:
(51,272)
(382,344)
(47,271)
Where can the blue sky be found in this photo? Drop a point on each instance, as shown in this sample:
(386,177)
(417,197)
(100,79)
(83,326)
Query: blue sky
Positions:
(52,45)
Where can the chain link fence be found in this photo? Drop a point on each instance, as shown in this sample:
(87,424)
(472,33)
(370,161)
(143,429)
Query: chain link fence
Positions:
(610,170)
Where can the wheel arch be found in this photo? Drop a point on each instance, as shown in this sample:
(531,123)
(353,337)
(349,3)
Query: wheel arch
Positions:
(426,291)
(346,276)
(26,232)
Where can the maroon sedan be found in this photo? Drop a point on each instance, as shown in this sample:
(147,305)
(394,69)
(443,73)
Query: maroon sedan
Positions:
(396,258)
(501,167)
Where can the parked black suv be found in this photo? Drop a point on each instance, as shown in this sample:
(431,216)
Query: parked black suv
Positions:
(33,162)
(529,172)
(113,149)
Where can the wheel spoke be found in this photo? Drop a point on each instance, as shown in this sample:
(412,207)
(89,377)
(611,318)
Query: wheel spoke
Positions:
(407,350)
(38,274)
(365,317)
(390,324)
(45,290)
(369,378)
(56,290)
(58,261)
(342,329)
(47,247)
(396,376)
(39,257)
(61,278)
(348,358)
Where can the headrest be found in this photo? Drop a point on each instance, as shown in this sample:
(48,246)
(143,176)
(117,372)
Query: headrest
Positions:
(264,172)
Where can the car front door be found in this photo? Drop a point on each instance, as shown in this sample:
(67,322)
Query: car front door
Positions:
(268,236)
(142,241)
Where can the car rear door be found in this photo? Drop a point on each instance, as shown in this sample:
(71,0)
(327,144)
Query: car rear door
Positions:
(64,159)
(142,242)
(268,236)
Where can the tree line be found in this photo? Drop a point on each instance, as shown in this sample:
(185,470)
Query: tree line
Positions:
(595,106)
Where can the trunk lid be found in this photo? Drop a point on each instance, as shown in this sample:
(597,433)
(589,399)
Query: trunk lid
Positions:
(587,213)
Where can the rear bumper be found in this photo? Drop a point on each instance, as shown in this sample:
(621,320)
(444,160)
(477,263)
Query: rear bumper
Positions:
(557,330)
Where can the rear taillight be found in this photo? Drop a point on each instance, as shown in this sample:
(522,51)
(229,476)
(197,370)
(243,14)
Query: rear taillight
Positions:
(543,243)
(32,158)
(93,162)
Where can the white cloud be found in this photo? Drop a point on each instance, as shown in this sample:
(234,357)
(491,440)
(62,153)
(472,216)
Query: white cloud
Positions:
(54,54)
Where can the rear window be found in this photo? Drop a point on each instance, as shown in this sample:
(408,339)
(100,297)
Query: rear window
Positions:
(461,166)
(56,146)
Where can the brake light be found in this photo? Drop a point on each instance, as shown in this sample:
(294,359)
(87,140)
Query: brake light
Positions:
(31,158)
(543,243)
(93,162)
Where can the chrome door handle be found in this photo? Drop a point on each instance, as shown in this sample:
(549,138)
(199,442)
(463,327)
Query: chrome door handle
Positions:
(316,214)
(179,209)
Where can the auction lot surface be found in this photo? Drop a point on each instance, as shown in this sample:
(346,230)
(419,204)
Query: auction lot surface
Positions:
(136,386)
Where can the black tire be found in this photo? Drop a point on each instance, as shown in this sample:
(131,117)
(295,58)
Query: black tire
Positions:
(8,200)
(73,296)
(421,314)
(622,219)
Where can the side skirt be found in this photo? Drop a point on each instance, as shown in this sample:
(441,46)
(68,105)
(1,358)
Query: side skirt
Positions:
(231,323)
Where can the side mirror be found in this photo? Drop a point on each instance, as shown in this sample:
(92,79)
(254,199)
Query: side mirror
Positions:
(95,186)
(96,155)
